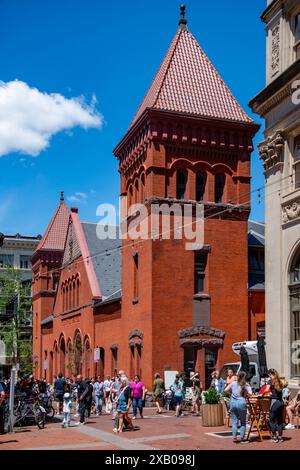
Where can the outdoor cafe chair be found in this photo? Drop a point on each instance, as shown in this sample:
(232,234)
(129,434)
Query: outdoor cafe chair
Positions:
(259,409)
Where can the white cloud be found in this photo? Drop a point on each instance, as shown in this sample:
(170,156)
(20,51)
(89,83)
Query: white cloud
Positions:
(78,197)
(29,117)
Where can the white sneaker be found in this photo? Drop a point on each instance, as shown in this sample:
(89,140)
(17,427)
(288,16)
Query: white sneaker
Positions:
(133,417)
(115,430)
(290,426)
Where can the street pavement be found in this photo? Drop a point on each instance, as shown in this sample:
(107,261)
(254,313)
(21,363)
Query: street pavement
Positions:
(154,432)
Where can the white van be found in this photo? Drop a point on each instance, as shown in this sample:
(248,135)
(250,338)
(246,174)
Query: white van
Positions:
(236,367)
(251,348)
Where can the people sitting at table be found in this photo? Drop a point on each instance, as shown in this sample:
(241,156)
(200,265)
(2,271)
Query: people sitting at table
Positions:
(217,382)
(239,390)
(291,408)
(275,386)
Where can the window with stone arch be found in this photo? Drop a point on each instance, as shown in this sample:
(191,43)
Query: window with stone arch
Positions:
(295,271)
(294,288)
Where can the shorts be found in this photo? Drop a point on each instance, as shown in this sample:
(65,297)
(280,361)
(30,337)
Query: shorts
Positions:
(59,397)
(177,400)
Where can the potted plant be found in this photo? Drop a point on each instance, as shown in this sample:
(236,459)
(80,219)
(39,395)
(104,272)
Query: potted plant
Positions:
(212,409)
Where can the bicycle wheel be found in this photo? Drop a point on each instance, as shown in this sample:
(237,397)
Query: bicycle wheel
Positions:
(50,412)
(40,418)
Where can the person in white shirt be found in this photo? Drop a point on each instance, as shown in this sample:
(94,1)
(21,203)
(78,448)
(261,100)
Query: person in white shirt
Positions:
(67,407)
(106,387)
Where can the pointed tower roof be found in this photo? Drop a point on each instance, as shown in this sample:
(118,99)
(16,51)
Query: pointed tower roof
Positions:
(55,235)
(188,83)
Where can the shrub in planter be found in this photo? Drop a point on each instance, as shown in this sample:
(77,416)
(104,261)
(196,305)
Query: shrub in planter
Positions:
(212,409)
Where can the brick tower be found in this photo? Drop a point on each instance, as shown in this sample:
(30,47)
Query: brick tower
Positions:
(190,142)
(46,262)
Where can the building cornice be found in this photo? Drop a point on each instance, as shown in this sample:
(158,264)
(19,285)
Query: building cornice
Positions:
(271,10)
(276,91)
(173,128)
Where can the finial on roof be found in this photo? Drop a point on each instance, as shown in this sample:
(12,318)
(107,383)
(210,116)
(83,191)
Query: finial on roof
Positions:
(62,196)
(182,22)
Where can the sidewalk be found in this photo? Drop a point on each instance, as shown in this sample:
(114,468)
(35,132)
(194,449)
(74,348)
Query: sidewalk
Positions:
(154,432)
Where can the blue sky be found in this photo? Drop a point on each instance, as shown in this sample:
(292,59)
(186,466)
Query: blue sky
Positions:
(110,50)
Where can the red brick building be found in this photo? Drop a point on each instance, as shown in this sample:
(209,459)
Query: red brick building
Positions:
(168,308)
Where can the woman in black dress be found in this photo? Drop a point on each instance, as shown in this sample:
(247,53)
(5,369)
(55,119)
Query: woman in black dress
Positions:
(275,386)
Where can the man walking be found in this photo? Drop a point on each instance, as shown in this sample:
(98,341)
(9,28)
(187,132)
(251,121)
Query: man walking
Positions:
(59,389)
(98,395)
(83,389)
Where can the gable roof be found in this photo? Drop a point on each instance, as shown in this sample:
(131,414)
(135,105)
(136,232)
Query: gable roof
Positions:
(106,256)
(55,235)
(187,82)
(256,234)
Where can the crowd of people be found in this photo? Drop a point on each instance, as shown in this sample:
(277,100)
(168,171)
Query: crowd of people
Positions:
(117,395)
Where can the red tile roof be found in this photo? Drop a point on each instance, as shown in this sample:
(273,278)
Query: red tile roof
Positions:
(187,82)
(55,235)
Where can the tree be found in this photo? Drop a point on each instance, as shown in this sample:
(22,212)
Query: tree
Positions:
(15,318)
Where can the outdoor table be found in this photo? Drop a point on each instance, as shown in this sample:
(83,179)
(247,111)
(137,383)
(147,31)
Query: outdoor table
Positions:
(259,408)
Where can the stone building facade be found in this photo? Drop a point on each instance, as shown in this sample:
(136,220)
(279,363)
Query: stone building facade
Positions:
(279,105)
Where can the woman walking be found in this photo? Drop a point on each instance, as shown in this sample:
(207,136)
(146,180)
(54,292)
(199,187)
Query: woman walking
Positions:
(158,390)
(177,389)
(197,390)
(275,386)
(123,405)
(239,390)
(138,396)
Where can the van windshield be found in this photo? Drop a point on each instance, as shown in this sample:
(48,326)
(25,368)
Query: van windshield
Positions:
(225,369)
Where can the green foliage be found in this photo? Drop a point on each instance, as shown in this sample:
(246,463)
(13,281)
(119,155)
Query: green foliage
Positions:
(15,311)
(212,397)
(226,395)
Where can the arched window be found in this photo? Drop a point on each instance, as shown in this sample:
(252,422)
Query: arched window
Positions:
(136,192)
(87,358)
(219,187)
(77,293)
(130,196)
(181,183)
(295,274)
(295,316)
(70,296)
(74,295)
(67,299)
(78,353)
(200,186)
(142,188)
(64,298)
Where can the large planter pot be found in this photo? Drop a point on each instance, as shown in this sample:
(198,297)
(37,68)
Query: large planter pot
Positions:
(212,415)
